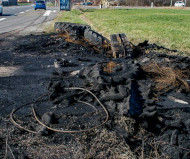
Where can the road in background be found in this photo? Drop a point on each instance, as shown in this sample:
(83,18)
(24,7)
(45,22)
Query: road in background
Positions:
(110,7)
(20,17)
(126,7)
(12,10)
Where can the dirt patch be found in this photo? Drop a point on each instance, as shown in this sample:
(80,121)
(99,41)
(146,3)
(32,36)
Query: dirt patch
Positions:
(9,71)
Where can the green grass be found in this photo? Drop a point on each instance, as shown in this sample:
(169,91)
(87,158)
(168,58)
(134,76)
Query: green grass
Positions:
(50,4)
(72,16)
(170,28)
(22,4)
(65,16)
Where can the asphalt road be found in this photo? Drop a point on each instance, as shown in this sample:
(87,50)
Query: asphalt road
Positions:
(21,17)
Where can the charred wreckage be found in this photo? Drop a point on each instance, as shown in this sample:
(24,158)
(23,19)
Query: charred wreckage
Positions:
(140,95)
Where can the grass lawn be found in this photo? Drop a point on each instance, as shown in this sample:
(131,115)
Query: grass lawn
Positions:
(23,4)
(50,4)
(73,16)
(170,28)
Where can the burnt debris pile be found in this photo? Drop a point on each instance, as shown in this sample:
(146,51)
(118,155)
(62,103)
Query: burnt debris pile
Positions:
(82,34)
(141,96)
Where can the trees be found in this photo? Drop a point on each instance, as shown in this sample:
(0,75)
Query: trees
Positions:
(148,2)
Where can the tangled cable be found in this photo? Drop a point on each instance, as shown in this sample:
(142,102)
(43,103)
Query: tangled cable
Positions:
(58,130)
(24,105)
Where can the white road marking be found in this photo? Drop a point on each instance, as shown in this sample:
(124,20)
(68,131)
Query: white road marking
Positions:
(21,12)
(29,10)
(54,11)
(47,13)
(2,19)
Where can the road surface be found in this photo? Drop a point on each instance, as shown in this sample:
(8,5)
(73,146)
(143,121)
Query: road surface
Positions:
(21,17)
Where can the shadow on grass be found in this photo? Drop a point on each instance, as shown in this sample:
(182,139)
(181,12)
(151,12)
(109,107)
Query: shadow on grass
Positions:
(86,10)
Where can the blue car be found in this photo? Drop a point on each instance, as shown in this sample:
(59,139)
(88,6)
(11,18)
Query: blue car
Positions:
(87,3)
(40,5)
(1,9)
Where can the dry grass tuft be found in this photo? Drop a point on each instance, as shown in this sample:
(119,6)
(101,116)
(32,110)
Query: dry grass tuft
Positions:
(99,143)
(107,144)
(110,67)
(37,146)
(86,43)
(166,77)
(68,38)
(127,123)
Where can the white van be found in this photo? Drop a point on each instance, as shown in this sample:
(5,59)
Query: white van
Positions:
(179,4)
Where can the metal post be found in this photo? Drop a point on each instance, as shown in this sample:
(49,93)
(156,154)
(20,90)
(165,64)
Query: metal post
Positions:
(171,3)
(152,4)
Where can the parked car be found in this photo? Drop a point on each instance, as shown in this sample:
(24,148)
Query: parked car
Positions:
(179,4)
(87,3)
(40,4)
(1,9)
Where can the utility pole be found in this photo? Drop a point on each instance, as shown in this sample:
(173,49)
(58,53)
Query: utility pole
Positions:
(185,3)
(171,3)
